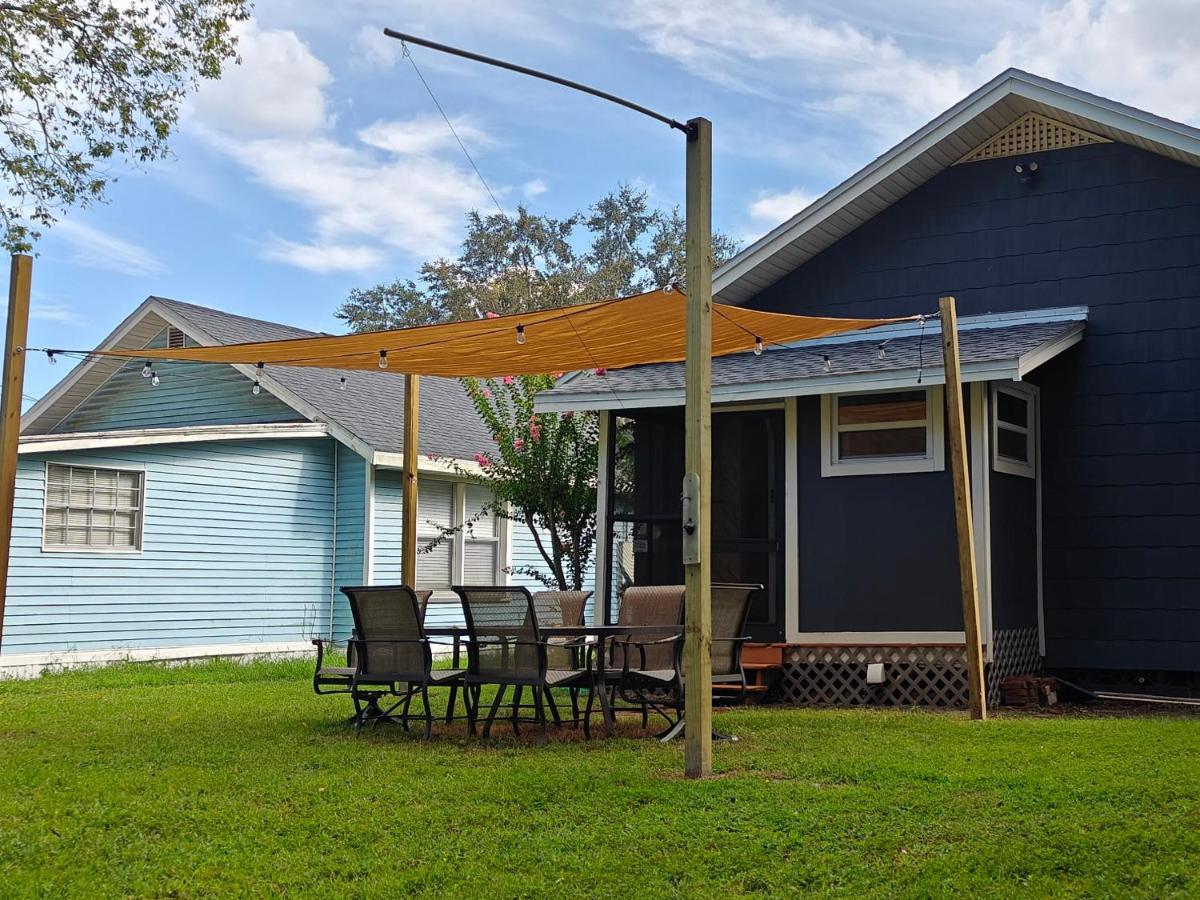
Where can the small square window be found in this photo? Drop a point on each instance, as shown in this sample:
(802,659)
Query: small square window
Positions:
(881,432)
(92,509)
(1014,430)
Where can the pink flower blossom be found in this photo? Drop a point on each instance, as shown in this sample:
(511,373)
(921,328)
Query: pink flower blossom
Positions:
(483,461)
(431,456)
(535,431)
(558,375)
(491,315)
(518,443)
(508,380)
(487,393)
(568,415)
(600,371)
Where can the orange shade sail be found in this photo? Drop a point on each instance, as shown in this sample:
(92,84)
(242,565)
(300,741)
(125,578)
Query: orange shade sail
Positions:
(611,334)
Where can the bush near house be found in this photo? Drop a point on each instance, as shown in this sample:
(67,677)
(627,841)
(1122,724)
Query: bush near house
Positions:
(222,778)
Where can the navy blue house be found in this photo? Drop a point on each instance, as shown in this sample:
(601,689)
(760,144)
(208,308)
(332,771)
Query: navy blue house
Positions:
(1067,226)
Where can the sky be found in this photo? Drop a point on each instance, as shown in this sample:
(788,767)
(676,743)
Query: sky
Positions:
(320,163)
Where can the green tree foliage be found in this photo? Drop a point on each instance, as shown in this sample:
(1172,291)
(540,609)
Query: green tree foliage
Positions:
(86,81)
(542,472)
(516,263)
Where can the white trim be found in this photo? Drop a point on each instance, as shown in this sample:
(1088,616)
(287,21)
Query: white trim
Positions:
(1028,394)
(1110,119)
(791,528)
(31,665)
(139,470)
(852,638)
(369,527)
(1048,351)
(458,543)
(932,461)
(600,592)
(142,437)
(981,507)
(1037,487)
(386,459)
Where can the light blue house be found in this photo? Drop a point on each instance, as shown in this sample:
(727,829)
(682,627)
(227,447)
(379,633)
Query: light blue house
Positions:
(187,514)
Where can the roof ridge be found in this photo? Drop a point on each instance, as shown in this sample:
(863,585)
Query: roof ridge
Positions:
(186,305)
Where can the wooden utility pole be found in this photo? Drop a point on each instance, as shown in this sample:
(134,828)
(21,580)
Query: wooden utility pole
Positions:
(697,557)
(967,576)
(10,407)
(412,431)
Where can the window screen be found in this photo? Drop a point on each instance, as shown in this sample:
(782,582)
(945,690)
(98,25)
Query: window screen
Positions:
(92,509)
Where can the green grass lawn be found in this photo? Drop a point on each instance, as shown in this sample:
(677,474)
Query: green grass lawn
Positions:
(221,778)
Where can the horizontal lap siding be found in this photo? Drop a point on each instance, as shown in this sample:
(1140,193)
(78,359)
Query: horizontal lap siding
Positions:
(236,549)
(350,534)
(525,554)
(188,394)
(1118,230)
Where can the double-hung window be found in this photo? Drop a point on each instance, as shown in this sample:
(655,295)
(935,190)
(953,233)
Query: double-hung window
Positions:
(882,432)
(463,539)
(1014,429)
(93,509)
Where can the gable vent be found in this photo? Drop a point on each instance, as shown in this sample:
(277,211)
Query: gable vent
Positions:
(176,339)
(1032,133)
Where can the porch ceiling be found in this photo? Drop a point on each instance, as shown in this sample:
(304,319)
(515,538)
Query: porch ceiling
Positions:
(997,347)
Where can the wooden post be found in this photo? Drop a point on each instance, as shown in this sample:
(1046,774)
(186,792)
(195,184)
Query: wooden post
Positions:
(10,407)
(967,576)
(698,454)
(412,431)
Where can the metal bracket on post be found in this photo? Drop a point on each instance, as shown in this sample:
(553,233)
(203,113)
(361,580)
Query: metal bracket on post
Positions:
(691,503)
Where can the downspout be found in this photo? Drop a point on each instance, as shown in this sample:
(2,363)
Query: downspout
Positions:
(333,547)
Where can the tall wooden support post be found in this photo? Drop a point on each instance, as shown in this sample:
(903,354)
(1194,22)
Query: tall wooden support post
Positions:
(10,407)
(697,554)
(412,433)
(962,508)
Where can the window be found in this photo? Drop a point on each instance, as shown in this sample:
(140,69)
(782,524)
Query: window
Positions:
(471,555)
(1014,429)
(92,509)
(881,432)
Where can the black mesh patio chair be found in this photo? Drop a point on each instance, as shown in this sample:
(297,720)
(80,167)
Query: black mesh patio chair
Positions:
(392,654)
(505,649)
(336,679)
(562,608)
(653,673)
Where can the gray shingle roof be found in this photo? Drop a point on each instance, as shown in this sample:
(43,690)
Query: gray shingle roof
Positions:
(372,406)
(976,345)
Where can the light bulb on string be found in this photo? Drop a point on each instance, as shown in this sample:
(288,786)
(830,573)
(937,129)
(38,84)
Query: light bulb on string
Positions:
(154,379)
(257,389)
(758,346)
(882,351)
(520,334)
(342,384)
(383,359)
(828,364)
(147,371)
(50,356)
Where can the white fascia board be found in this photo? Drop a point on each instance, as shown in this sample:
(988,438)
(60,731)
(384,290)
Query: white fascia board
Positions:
(1048,351)
(889,380)
(390,460)
(149,437)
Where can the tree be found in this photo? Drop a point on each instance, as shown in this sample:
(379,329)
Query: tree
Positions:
(86,81)
(542,473)
(516,263)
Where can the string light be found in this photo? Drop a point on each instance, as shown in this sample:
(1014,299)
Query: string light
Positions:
(154,379)
(828,363)
(383,359)
(146,370)
(883,350)
(921,352)
(342,384)
(520,334)
(758,346)
(50,357)
(257,389)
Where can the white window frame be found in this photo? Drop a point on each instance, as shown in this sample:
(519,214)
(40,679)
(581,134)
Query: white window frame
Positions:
(934,459)
(1029,394)
(140,472)
(458,541)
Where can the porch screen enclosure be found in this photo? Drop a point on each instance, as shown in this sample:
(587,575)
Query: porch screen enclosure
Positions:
(643,543)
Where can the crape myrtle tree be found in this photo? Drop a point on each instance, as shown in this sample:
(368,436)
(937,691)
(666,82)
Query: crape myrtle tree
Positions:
(542,469)
(84,82)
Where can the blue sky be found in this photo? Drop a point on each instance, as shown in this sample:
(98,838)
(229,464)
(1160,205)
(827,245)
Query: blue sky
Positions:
(320,163)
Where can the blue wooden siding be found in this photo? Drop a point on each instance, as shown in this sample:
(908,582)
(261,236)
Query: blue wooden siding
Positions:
(350,534)
(1118,230)
(188,394)
(236,549)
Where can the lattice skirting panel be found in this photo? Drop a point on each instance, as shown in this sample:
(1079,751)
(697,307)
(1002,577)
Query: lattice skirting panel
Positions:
(934,676)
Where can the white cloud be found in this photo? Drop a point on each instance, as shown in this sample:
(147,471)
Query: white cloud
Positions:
(323,257)
(375,50)
(771,209)
(534,188)
(59,313)
(278,89)
(424,135)
(99,249)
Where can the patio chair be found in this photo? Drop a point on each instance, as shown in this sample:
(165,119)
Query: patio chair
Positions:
(653,673)
(644,605)
(335,679)
(562,608)
(391,650)
(505,648)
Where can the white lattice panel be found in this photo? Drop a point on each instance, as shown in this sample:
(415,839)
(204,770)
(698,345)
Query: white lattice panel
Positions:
(1032,133)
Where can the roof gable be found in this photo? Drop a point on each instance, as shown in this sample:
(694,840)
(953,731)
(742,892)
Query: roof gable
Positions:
(957,133)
